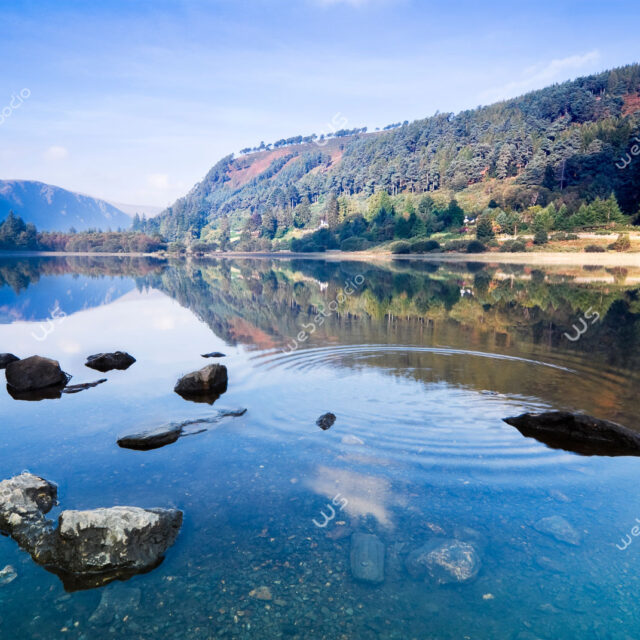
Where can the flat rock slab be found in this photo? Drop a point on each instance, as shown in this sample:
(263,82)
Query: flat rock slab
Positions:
(560,529)
(6,358)
(367,558)
(578,433)
(214,354)
(35,373)
(152,439)
(170,433)
(326,421)
(104,362)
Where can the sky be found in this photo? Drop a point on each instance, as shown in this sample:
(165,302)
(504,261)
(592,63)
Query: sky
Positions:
(133,101)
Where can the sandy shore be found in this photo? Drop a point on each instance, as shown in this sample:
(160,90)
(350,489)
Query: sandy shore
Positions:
(610,259)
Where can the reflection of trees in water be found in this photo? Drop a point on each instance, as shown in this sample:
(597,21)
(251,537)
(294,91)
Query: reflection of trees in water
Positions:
(268,303)
(19,273)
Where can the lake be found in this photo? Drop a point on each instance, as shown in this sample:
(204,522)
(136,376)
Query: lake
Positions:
(419,362)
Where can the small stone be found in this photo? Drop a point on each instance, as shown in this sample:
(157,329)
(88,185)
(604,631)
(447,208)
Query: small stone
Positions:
(326,421)
(214,354)
(261,593)
(7,575)
(488,596)
(6,358)
(104,362)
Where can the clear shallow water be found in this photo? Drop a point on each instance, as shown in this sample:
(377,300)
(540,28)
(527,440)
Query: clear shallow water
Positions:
(420,374)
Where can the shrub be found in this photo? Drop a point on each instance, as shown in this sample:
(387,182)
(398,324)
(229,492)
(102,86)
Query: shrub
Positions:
(623,243)
(354,244)
(484,228)
(541,236)
(176,247)
(594,248)
(513,246)
(424,246)
(475,246)
(456,245)
(401,247)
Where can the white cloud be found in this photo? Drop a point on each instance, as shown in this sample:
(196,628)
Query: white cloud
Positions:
(541,75)
(158,181)
(56,153)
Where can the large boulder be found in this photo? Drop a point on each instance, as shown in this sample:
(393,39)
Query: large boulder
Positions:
(105,540)
(35,373)
(88,548)
(209,381)
(6,358)
(578,433)
(104,362)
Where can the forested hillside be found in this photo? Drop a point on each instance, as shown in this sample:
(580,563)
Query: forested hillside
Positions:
(561,158)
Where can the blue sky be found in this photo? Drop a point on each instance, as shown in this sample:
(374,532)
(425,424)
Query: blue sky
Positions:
(133,101)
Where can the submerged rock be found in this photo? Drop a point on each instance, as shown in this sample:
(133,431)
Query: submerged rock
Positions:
(104,362)
(351,439)
(558,528)
(35,373)
(367,558)
(214,354)
(445,561)
(6,358)
(76,388)
(208,382)
(168,434)
(7,575)
(326,421)
(88,548)
(152,439)
(578,433)
(116,601)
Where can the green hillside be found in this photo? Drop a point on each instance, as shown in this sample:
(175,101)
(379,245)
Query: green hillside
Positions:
(554,159)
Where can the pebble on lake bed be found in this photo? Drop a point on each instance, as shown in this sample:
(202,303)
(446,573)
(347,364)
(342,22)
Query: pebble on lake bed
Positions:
(261,593)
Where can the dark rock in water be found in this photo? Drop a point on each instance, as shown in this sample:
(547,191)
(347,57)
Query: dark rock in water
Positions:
(153,439)
(578,433)
(207,383)
(88,548)
(214,354)
(326,421)
(445,561)
(76,388)
(104,362)
(35,373)
(168,434)
(367,558)
(6,358)
(48,393)
(558,528)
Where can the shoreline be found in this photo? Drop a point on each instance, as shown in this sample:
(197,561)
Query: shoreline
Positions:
(609,259)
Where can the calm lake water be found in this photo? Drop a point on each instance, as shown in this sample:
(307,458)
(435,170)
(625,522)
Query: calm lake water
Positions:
(420,362)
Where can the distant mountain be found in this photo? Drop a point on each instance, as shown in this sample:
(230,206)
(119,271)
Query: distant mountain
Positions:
(148,210)
(54,209)
(560,145)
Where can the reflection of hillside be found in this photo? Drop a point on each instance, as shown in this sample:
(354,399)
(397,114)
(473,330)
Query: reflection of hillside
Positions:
(268,304)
